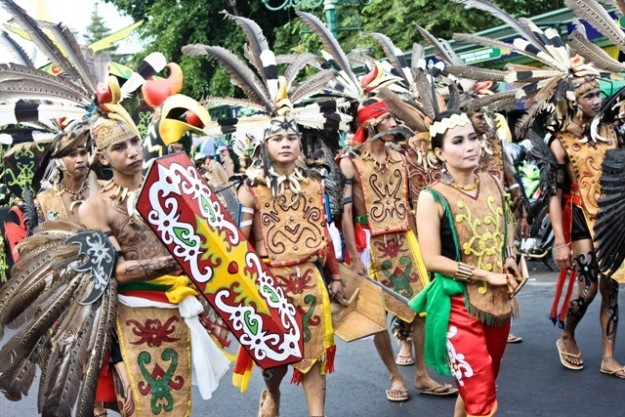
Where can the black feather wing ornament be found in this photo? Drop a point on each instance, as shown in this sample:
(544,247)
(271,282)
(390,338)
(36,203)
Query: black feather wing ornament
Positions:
(60,301)
(610,228)
(547,164)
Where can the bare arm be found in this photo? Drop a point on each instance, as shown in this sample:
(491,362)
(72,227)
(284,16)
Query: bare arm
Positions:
(93,215)
(347,219)
(247,200)
(563,255)
(429,214)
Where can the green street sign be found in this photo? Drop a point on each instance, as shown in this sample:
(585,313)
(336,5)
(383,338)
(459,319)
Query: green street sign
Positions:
(480,55)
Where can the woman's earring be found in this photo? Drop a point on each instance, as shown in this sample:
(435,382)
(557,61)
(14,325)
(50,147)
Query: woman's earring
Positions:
(443,167)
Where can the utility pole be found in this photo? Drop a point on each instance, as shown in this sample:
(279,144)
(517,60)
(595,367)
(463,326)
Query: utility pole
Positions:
(329,8)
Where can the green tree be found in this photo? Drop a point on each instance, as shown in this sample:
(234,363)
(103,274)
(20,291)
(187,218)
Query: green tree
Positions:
(97,28)
(169,25)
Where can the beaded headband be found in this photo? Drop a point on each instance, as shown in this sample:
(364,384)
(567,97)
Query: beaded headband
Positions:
(442,126)
(582,85)
(105,132)
(281,125)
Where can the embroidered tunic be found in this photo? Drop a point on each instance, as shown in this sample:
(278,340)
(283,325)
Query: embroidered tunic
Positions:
(395,253)
(586,159)
(294,236)
(468,322)
(480,227)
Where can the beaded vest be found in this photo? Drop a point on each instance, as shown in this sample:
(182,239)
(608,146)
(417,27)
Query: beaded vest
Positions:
(480,227)
(293,224)
(385,192)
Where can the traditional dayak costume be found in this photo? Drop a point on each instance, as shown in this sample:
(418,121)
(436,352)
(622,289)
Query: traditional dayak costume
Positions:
(159,351)
(467,323)
(383,236)
(291,207)
(296,240)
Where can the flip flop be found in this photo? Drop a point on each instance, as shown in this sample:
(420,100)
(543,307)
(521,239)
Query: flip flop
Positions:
(615,373)
(441,390)
(564,355)
(397,395)
(514,339)
(404,360)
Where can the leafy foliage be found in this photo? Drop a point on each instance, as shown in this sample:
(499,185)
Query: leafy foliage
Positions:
(172,24)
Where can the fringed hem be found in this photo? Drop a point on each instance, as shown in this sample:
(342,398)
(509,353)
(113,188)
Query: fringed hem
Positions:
(298,377)
(327,366)
(487,318)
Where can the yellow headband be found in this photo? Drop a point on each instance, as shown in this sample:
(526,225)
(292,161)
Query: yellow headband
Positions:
(447,123)
(582,85)
(105,132)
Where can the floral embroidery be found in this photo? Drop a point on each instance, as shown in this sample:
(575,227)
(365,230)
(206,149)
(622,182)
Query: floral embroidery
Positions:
(484,244)
(487,240)
(458,366)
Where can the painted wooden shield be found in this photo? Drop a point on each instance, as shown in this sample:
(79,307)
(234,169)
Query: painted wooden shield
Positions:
(189,219)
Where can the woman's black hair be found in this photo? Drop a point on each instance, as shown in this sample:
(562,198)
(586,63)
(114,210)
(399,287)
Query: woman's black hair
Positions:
(437,140)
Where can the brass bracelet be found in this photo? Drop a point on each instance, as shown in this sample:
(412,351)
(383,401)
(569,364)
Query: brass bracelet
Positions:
(464,272)
(510,252)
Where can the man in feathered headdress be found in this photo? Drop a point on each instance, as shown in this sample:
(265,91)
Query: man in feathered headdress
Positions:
(573,147)
(378,234)
(278,202)
(68,177)
(150,288)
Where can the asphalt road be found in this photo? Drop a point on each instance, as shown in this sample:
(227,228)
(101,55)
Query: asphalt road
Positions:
(532,380)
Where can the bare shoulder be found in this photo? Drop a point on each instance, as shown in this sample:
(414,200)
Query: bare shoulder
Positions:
(93,213)
(558,150)
(246,196)
(428,206)
(347,167)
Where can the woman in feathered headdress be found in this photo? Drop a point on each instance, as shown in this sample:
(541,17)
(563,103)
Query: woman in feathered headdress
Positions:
(567,87)
(463,234)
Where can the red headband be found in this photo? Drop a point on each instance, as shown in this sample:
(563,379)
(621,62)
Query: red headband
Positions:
(372,111)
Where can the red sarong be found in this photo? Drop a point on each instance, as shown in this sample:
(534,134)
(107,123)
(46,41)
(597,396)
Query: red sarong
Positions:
(475,351)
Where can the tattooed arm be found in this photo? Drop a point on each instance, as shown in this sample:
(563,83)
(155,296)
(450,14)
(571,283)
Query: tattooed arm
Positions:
(145,269)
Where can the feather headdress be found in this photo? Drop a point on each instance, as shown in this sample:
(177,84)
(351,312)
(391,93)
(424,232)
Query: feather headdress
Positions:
(345,81)
(271,94)
(71,94)
(277,99)
(553,87)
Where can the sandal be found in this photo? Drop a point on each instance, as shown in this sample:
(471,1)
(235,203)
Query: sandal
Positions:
(441,390)
(564,357)
(404,360)
(397,395)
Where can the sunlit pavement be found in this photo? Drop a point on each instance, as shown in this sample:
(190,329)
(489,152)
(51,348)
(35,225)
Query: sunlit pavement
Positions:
(532,380)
